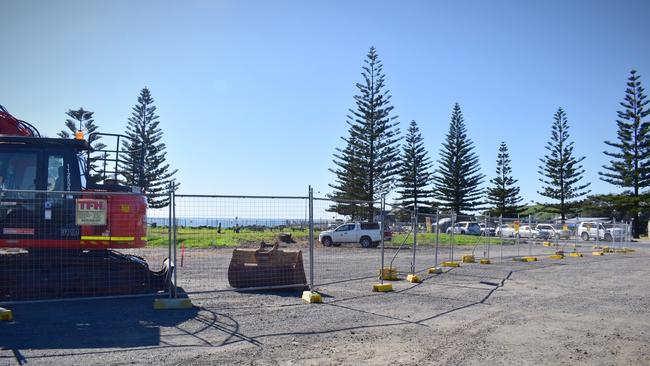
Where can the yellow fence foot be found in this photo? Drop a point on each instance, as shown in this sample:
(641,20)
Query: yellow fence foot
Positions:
(382,287)
(388,274)
(485,261)
(525,259)
(434,270)
(467,258)
(450,264)
(412,278)
(390,277)
(556,256)
(6,315)
(167,303)
(597,253)
(312,297)
(575,254)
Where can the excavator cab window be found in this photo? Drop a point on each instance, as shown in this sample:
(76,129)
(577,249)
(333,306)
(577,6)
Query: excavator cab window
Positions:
(63,171)
(83,180)
(18,170)
(55,173)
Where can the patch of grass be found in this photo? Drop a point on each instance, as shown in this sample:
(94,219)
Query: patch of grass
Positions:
(209,237)
(430,239)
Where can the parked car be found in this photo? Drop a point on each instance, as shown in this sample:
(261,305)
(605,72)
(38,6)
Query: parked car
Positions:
(465,227)
(613,233)
(505,230)
(545,231)
(368,234)
(548,231)
(487,230)
(592,230)
(563,232)
(525,231)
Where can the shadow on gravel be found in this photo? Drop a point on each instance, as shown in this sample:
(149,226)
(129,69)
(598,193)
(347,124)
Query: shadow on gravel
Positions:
(95,327)
(280,293)
(102,323)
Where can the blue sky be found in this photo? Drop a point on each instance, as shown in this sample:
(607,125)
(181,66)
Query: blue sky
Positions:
(252,95)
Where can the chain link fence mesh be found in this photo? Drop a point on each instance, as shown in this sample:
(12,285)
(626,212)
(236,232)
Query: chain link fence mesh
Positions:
(62,244)
(240,242)
(346,229)
(222,243)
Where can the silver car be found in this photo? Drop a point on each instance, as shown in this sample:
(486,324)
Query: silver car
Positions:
(465,227)
(548,231)
(505,230)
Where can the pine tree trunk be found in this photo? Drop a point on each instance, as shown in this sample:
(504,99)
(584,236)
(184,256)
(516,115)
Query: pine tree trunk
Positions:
(636,225)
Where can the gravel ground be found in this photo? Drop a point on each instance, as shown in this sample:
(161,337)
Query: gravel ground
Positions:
(582,311)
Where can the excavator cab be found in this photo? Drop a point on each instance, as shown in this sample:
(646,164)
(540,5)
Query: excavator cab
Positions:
(58,231)
(30,171)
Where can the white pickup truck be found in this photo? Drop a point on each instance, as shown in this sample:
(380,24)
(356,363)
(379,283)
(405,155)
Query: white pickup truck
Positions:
(588,231)
(368,234)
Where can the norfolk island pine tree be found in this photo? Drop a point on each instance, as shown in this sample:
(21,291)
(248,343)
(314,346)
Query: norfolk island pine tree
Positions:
(457,179)
(366,169)
(629,166)
(413,183)
(560,171)
(144,164)
(82,120)
(503,195)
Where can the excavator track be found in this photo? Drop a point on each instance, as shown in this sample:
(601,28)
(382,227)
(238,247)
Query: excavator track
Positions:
(48,274)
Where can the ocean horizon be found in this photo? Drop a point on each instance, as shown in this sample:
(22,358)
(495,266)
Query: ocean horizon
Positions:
(232,222)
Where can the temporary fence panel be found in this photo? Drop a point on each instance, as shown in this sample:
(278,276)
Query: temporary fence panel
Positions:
(484,249)
(434,239)
(402,254)
(61,244)
(56,244)
(348,238)
(241,242)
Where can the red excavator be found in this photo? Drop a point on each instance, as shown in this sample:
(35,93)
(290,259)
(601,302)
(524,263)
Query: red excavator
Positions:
(58,231)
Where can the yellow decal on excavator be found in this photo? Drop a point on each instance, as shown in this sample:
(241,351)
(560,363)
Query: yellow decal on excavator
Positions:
(122,238)
(107,238)
(95,237)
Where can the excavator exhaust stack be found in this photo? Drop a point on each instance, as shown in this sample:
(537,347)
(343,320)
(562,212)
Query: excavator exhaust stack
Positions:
(267,268)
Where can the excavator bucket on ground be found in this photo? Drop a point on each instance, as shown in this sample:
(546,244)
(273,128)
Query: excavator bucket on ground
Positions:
(266,268)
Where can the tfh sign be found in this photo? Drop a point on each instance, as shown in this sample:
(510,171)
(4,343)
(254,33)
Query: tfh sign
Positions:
(91,212)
